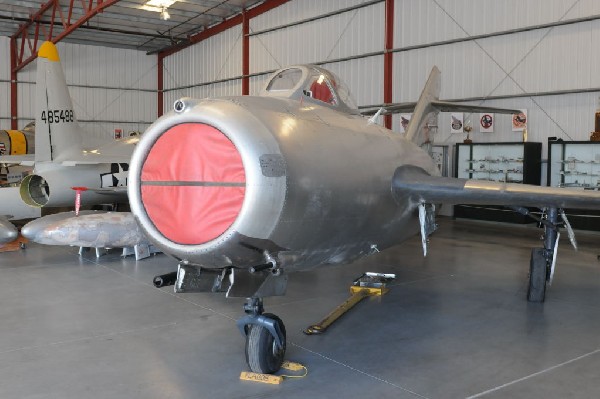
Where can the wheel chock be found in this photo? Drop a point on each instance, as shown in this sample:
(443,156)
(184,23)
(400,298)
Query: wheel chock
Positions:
(258,377)
(369,284)
(275,379)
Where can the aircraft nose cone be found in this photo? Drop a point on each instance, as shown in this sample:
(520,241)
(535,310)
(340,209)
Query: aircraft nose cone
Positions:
(8,232)
(32,229)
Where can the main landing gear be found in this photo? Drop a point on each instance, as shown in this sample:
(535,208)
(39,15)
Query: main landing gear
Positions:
(543,260)
(265,337)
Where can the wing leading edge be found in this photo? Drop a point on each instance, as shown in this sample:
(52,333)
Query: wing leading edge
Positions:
(413,183)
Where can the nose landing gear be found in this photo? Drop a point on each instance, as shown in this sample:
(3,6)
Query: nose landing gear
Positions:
(265,337)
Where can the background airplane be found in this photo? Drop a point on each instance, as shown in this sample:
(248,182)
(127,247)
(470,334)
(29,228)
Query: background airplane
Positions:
(20,146)
(61,161)
(244,190)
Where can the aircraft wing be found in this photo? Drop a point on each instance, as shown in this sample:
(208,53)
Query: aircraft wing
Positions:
(26,159)
(415,183)
(442,106)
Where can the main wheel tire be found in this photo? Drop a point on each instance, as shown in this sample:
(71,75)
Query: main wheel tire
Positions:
(537,276)
(262,354)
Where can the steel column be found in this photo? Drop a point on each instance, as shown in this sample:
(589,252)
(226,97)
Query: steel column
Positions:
(13,84)
(388,58)
(245,54)
(160,85)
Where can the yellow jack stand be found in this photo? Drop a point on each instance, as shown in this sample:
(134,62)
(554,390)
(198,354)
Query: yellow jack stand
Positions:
(369,284)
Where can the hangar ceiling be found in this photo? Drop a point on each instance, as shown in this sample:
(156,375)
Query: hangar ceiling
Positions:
(126,24)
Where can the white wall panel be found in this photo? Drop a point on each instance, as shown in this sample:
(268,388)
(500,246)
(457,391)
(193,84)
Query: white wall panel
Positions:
(4,105)
(541,60)
(257,83)
(121,88)
(4,58)
(347,34)
(229,88)
(363,77)
(218,57)
(298,10)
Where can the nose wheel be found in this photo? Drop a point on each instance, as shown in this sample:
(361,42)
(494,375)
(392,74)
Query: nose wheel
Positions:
(263,354)
(265,338)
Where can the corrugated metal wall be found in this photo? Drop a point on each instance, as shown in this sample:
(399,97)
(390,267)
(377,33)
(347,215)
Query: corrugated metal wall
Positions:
(540,60)
(190,72)
(111,88)
(537,60)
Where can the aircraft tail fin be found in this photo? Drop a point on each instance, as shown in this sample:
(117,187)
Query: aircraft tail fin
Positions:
(56,129)
(430,105)
(416,130)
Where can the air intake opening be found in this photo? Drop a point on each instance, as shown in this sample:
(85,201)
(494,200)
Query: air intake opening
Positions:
(193,183)
(35,191)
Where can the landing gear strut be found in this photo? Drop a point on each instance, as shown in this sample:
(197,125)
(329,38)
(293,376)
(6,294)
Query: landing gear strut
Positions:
(541,266)
(265,337)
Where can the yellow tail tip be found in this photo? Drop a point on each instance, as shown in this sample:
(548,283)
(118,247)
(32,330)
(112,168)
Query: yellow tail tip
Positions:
(48,50)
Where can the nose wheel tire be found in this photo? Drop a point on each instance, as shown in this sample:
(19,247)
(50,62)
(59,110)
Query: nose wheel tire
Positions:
(262,353)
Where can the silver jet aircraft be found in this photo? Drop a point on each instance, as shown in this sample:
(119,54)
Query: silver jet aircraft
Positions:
(244,190)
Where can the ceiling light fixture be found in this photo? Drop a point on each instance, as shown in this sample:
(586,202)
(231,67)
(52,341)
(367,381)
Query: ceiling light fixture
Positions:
(159,6)
(164,14)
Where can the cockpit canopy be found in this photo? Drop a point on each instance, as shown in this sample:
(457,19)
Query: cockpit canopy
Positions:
(311,83)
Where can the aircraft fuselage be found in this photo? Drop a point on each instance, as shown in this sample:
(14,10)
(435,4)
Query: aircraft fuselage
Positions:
(243,180)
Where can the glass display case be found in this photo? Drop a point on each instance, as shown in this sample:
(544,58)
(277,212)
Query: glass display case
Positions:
(575,165)
(502,162)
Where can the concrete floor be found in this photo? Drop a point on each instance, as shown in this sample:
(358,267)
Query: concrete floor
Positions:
(454,325)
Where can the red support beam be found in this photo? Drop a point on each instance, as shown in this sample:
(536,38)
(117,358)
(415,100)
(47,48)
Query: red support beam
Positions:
(267,5)
(13,85)
(388,58)
(243,18)
(18,56)
(160,86)
(245,54)
(57,15)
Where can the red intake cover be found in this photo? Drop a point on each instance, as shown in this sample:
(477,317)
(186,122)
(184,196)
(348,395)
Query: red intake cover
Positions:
(193,183)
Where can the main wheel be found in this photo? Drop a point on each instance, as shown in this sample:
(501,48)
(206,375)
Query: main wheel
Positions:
(537,276)
(262,354)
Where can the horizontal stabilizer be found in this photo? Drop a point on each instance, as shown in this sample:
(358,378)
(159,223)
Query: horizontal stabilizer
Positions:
(415,184)
(441,106)
(25,159)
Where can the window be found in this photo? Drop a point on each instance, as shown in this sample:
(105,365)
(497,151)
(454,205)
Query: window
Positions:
(286,80)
